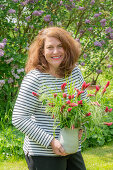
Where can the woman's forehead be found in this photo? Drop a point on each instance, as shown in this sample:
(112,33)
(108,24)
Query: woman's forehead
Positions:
(52,40)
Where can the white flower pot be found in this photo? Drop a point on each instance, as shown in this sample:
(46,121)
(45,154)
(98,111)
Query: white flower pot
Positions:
(69,139)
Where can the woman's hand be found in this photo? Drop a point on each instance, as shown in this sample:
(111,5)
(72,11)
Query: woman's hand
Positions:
(80,134)
(57,148)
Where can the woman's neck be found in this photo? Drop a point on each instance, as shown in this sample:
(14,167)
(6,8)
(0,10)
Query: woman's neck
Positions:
(54,73)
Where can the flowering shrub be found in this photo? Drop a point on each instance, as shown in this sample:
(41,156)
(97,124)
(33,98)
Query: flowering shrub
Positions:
(71,111)
(89,22)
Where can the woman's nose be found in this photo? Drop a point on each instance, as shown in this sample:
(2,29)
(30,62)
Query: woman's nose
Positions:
(55,50)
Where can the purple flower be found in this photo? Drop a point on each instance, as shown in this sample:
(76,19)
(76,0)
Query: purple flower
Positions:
(85,55)
(31,26)
(82,31)
(30,1)
(1,52)
(103,24)
(10,80)
(69,7)
(98,44)
(103,21)
(73,5)
(92,2)
(77,39)
(109,66)
(11,11)
(16,29)
(87,21)
(41,12)
(90,29)
(71,0)
(2,82)
(25,2)
(108,30)
(27,48)
(9,60)
(12,71)
(15,0)
(111,36)
(81,8)
(51,23)
(102,42)
(47,18)
(61,2)
(99,71)
(27,18)
(37,13)
(16,76)
(20,70)
(96,15)
(82,64)
(2,45)
(1,6)
(4,40)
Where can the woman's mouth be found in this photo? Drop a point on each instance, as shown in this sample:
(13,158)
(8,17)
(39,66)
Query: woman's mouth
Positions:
(56,57)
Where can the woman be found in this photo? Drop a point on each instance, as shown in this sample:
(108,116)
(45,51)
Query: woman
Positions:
(52,56)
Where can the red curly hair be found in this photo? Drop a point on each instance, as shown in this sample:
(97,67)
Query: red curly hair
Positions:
(36,59)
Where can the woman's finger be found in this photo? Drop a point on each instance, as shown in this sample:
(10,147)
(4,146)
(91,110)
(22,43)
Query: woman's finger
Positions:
(62,149)
(80,134)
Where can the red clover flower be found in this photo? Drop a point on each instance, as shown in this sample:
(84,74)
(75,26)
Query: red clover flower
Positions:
(108,124)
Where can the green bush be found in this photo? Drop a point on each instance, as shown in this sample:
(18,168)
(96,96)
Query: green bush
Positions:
(11,142)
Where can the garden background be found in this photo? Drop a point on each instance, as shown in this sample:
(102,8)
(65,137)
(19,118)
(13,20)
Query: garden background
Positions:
(89,22)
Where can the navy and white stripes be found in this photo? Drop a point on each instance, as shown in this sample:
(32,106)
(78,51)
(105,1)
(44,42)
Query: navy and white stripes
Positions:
(29,115)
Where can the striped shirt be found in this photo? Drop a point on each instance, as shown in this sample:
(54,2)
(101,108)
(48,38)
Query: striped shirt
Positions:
(29,114)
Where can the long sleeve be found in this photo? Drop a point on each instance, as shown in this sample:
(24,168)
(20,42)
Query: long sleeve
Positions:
(25,108)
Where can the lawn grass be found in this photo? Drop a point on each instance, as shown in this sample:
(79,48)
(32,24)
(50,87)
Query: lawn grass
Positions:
(99,158)
(13,165)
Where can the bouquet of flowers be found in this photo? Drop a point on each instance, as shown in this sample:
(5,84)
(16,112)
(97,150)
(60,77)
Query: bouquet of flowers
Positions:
(72,111)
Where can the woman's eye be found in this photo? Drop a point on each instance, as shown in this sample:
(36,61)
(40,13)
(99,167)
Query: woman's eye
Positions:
(50,47)
(60,46)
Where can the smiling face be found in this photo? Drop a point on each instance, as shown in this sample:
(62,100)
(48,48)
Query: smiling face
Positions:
(53,52)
